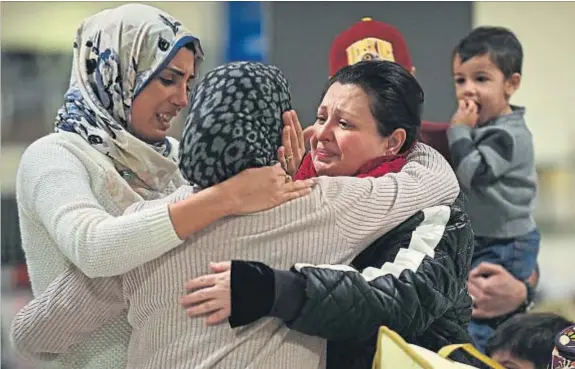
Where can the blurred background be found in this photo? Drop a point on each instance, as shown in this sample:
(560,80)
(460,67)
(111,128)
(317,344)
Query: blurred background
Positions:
(36,41)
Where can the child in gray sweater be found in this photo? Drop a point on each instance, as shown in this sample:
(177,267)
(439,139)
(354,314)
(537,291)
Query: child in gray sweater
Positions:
(492,154)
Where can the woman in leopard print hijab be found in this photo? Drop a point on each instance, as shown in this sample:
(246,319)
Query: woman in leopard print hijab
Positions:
(234,123)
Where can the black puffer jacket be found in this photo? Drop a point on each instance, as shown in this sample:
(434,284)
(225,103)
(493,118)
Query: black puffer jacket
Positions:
(412,279)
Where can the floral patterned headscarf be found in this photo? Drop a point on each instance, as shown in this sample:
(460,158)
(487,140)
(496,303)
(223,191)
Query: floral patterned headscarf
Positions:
(117,52)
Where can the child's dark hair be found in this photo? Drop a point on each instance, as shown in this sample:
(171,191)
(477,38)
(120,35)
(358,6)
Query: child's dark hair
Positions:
(529,337)
(395,96)
(499,43)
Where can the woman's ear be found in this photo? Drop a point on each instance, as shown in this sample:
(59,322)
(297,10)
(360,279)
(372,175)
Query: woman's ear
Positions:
(395,141)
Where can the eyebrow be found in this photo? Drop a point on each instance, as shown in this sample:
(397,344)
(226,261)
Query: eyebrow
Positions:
(338,111)
(481,71)
(349,112)
(179,72)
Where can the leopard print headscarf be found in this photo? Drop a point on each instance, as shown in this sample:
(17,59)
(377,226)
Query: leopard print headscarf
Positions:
(234,123)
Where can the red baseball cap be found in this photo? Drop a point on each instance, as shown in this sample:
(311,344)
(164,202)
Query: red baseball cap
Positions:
(367,40)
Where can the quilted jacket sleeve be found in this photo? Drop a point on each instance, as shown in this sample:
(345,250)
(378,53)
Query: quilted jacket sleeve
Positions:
(407,293)
(419,275)
(420,283)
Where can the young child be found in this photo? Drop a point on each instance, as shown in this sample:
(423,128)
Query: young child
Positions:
(526,341)
(492,154)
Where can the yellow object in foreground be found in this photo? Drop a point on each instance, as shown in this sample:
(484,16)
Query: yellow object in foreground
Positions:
(394,353)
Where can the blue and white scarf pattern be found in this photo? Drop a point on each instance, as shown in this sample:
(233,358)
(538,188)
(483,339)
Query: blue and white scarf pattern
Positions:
(117,52)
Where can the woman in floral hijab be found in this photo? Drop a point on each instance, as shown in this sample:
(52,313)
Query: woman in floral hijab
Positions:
(120,54)
(132,66)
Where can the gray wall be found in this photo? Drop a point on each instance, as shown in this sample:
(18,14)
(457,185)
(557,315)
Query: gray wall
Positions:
(301,34)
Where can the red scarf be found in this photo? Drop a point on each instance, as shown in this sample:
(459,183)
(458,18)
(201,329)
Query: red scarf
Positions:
(373,168)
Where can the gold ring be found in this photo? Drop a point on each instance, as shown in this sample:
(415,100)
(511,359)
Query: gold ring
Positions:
(288,158)
(287,178)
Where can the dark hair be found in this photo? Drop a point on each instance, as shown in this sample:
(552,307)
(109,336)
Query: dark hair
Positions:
(396,98)
(529,337)
(499,43)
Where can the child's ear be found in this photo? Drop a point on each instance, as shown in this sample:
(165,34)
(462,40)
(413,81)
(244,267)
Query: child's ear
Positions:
(512,84)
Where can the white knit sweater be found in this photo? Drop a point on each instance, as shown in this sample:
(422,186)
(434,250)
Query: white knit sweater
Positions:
(69,215)
(332,225)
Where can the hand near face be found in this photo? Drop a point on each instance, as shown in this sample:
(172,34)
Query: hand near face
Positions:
(495,291)
(292,151)
(467,113)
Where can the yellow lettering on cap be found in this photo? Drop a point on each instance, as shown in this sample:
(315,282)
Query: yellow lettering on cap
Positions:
(366,19)
(369,49)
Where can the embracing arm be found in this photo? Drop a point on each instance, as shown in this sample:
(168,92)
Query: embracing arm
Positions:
(367,208)
(54,186)
(213,202)
(340,303)
(407,294)
(74,305)
(66,313)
